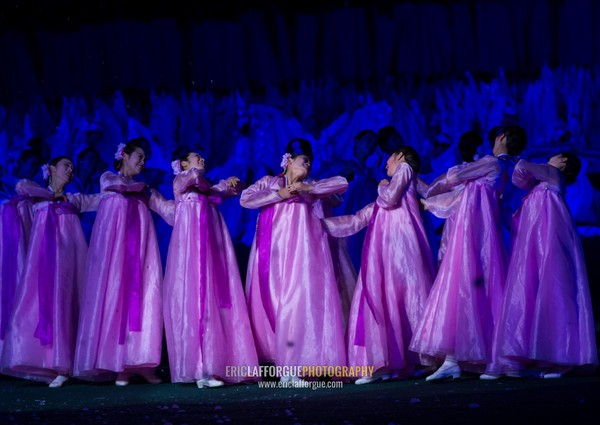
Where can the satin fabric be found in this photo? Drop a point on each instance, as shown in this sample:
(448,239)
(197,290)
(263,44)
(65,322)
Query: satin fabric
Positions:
(301,289)
(395,278)
(16,217)
(50,285)
(206,329)
(345,273)
(547,312)
(466,297)
(99,353)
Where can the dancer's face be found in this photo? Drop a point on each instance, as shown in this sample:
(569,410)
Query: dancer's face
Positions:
(133,164)
(63,171)
(300,166)
(393,162)
(194,160)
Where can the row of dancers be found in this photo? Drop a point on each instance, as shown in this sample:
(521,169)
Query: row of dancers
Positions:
(98,314)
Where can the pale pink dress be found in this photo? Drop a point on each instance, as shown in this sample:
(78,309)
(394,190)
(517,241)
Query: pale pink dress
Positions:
(547,313)
(395,278)
(121,322)
(291,287)
(206,318)
(466,297)
(40,343)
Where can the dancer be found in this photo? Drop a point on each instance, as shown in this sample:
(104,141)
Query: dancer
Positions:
(291,286)
(206,318)
(458,322)
(547,321)
(395,276)
(120,326)
(41,337)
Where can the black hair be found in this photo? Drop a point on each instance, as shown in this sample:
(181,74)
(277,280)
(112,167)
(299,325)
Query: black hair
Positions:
(130,148)
(493,133)
(516,139)
(297,147)
(468,144)
(410,156)
(572,167)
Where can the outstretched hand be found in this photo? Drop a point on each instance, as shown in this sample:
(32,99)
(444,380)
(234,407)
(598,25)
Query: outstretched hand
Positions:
(232,181)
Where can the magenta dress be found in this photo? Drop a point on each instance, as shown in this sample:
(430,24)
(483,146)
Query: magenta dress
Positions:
(120,326)
(547,312)
(40,343)
(466,297)
(15,226)
(395,277)
(206,317)
(291,287)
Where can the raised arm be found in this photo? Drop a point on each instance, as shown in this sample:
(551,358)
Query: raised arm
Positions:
(29,188)
(227,188)
(389,194)
(260,194)
(526,174)
(190,179)
(486,166)
(346,225)
(330,186)
(85,203)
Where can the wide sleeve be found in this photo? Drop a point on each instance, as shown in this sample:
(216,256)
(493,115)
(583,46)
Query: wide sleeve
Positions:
(223,191)
(83,202)
(188,179)
(486,166)
(527,174)
(260,194)
(162,206)
(111,182)
(330,186)
(347,225)
(32,189)
(389,195)
(444,204)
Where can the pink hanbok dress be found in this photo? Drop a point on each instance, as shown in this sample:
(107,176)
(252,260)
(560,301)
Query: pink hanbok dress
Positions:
(121,322)
(206,317)
(291,287)
(16,216)
(394,280)
(466,297)
(547,312)
(40,343)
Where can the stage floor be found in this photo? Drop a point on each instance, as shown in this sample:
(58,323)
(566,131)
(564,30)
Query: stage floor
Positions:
(507,401)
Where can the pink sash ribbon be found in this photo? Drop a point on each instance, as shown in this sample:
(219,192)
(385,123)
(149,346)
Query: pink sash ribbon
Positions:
(209,248)
(47,270)
(264,233)
(131,277)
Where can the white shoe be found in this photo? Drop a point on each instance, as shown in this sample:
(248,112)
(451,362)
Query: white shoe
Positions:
(209,382)
(365,380)
(445,371)
(489,377)
(58,381)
